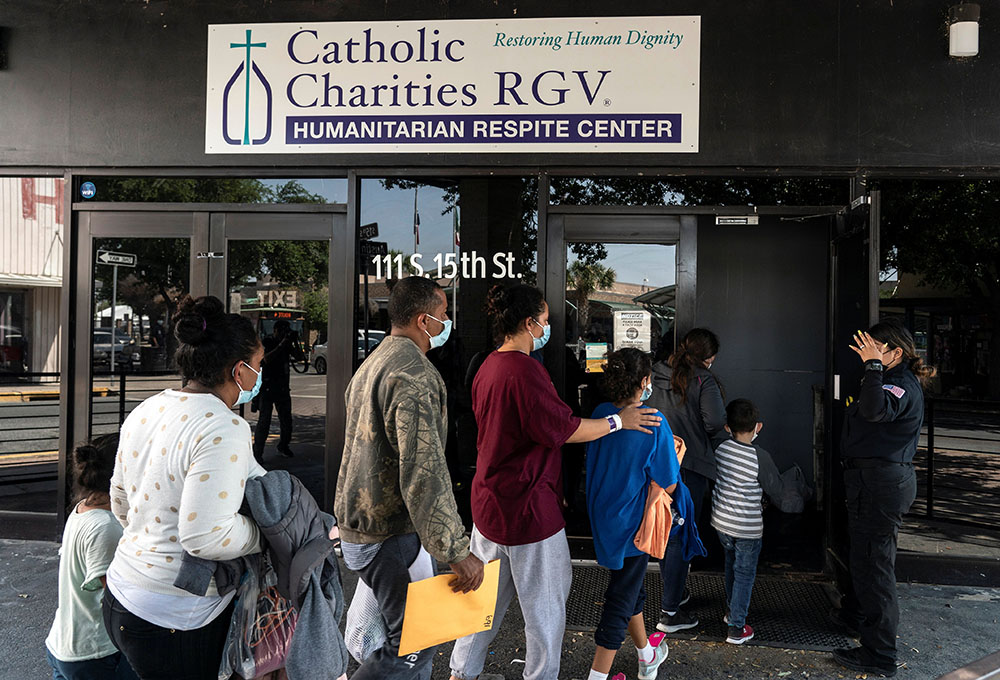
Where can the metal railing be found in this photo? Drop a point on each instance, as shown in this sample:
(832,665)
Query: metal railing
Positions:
(958,462)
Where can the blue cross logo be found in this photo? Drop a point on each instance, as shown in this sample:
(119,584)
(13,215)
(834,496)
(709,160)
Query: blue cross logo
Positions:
(244,69)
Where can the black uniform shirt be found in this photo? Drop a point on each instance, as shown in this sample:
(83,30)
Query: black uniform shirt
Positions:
(885,420)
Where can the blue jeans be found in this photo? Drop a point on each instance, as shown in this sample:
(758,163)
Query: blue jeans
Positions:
(114,667)
(673,566)
(624,598)
(741,570)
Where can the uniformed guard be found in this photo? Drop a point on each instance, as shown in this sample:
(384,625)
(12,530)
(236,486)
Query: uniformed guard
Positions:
(881,433)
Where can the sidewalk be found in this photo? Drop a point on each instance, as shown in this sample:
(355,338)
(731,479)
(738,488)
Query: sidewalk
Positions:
(943,627)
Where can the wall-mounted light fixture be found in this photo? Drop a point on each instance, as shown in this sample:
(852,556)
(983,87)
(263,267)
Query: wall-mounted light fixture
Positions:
(963,30)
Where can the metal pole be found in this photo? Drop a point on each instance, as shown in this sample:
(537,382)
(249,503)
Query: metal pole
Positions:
(121,398)
(930,458)
(455,248)
(114,296)
(364,266)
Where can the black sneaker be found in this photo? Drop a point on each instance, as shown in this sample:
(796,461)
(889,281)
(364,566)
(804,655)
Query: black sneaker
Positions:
(843,623)
(739,634)
(860,659)
(677,622)
(285,452)
(685,597)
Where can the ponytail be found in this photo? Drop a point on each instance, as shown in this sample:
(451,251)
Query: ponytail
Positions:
(698,345)
(894,334)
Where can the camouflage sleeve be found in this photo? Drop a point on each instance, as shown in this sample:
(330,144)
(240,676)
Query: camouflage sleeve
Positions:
(424,481)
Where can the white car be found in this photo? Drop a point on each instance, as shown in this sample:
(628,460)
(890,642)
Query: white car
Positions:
(319,350)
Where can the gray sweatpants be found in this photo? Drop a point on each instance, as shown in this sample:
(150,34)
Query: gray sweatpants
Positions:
(540,573)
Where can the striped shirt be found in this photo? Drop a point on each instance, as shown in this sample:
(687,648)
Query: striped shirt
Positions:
(736,499)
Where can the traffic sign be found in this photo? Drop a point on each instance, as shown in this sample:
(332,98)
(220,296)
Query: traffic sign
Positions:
(370,249)
(368,231)
(116,259)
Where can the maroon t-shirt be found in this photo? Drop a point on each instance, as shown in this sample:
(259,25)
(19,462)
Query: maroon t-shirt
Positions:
(517,491)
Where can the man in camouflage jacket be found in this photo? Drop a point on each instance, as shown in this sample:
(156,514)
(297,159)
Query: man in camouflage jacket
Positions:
(394,491)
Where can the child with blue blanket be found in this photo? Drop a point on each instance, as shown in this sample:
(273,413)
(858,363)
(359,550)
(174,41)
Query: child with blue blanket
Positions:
(619,470)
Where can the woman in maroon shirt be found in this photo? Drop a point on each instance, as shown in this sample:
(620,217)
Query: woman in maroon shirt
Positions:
(516,493)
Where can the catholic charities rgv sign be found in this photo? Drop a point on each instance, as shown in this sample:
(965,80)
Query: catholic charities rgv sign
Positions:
(541,85)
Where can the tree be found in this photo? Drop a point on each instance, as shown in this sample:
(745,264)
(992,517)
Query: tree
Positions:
(163,264)
(947,234)
(585,278)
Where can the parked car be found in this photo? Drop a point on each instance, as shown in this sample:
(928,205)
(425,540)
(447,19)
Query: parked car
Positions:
(319,350)
(127,353)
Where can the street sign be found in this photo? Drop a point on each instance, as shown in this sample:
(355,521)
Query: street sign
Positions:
(116,259)
(737,219)
(370,249)
(368,231)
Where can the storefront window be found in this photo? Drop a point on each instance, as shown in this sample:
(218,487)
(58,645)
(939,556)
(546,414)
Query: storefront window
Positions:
(216,190)
(711,191)
(467,234)
(13,333)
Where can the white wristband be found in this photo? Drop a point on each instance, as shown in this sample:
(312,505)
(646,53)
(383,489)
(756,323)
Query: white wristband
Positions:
(616,423)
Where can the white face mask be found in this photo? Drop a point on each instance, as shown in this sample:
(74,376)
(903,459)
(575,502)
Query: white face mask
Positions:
(755,433)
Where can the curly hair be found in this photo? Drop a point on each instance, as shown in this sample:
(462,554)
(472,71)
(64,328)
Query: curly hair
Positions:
(624,372)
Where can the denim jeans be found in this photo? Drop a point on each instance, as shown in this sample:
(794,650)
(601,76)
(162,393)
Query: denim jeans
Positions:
(162,653)
(114,667)
(388,575)
(741,570)
(673,566)
(624,598)
(877,499)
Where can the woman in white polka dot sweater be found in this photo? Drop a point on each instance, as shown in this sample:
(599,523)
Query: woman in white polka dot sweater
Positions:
(182,464)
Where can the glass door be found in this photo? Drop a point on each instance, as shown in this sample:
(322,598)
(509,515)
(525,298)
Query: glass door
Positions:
(274,268)
(617,295)
(135,268)
(612,280)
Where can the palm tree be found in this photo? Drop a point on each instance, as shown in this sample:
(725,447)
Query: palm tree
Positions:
(585,279)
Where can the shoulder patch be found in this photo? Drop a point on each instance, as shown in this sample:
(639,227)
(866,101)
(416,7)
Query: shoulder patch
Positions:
(894,390)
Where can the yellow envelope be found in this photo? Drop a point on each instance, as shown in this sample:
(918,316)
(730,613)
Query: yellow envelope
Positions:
(435,614)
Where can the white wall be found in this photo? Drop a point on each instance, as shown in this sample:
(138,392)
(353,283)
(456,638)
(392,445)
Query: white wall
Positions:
(31,245)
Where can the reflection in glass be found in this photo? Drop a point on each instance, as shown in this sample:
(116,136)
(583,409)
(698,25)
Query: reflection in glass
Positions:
(132,346)
(451,230)
(281,286)
(617,296)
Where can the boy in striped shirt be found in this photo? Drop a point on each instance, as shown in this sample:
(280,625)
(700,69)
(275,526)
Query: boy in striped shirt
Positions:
(745,473)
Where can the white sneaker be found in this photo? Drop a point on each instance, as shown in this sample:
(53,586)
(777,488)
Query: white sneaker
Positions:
(647,671)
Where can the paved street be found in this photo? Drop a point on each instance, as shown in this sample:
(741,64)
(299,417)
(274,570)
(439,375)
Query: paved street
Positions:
(942,627)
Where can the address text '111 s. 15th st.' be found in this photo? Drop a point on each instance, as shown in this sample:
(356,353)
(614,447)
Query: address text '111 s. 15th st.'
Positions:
(470,265)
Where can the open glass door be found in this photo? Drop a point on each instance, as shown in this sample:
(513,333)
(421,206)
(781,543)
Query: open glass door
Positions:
(617,295)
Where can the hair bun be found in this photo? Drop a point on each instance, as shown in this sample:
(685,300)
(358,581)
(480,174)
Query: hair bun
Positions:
(196,318)
(87,454)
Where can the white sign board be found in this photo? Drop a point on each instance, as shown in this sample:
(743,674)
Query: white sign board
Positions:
(116,259)
(633,329)
(611,84)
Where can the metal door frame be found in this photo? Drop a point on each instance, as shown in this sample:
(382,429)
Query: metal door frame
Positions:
(612,224)
(209,227)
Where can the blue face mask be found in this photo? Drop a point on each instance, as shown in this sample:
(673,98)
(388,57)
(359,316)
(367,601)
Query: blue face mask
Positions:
(539,342)
(246,396)
(647,392)
(442,337)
